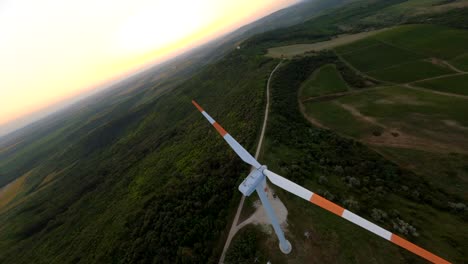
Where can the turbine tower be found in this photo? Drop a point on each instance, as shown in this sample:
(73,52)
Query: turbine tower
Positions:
(255,182)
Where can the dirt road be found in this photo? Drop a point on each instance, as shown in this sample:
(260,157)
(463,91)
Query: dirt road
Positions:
(234,227)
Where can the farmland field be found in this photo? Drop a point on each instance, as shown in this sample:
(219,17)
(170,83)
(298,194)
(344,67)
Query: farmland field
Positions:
(387,119)
(411,71)
(422,132)
(413,8)
(453,84)
(298,49)
(325,80)
(428,40)
(10,191)
(357,45)
(418,118)
(398,116)
(334,116)
(425,132)
(379,56)
(461,62)
(408,53)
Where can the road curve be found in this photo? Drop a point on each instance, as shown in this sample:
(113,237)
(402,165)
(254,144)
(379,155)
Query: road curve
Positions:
(234,226)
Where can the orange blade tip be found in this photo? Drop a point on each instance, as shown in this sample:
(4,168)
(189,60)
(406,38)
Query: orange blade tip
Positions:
(220,129)
(417,250)
(197,106)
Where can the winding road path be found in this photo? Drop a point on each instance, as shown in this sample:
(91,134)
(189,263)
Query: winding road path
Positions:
(235,227)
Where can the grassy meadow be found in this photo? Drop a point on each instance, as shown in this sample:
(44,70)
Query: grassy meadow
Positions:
(452,84)
(461,62)
(424,133)
(407,53)
(325,162)
(298,49)
(410,71)
(325,80)
(379,56)
(334,116)
(417,117)
(428,40)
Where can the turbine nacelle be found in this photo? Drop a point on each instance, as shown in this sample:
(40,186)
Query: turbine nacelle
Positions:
(254,179)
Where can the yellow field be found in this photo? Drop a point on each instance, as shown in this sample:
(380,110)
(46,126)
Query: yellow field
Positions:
(9,192)
(298,49)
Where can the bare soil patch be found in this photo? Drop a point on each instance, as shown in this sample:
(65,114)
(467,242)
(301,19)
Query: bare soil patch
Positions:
(394,137)
(445,64)
(404,140)
(260,216)
(359,115)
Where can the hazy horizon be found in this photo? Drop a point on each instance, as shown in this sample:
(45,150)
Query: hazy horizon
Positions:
(58,53)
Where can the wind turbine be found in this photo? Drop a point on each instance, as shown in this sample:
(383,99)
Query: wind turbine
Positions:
(255,182)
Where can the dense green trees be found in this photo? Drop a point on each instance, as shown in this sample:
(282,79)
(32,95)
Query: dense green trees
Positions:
(349,173)
(244,247)
(369,174)
(142,177)
(141,183)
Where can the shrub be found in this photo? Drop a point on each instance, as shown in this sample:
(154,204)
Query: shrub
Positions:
(351,204)
(457,207)
(404,228)
(378,215)
(323,180)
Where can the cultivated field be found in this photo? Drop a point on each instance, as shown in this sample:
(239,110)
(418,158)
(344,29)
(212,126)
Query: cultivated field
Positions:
(400,117)
(417,129)
(408,53)
(461,62)
(410,71)
(298,49)
(412,8)
(325,80)
(453,84)
(405,117)
(11,190)
(417,118)
(428,40)
(379,56)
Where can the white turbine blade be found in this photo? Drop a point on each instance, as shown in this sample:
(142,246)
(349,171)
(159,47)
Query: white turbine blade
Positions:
(240,151)
(288,185)
(353,218)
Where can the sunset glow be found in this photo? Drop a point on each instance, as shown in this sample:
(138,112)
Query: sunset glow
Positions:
(52,50)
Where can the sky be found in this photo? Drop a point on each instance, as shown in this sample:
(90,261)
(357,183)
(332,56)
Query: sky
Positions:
(55,50)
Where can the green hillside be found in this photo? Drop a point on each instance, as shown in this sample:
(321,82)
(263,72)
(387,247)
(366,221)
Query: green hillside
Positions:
(325,80)
(407,53)
(145,174)
(137,175)
(325,162)
(420,132)
(452,84)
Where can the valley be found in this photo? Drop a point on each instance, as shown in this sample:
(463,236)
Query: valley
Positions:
(366,103)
